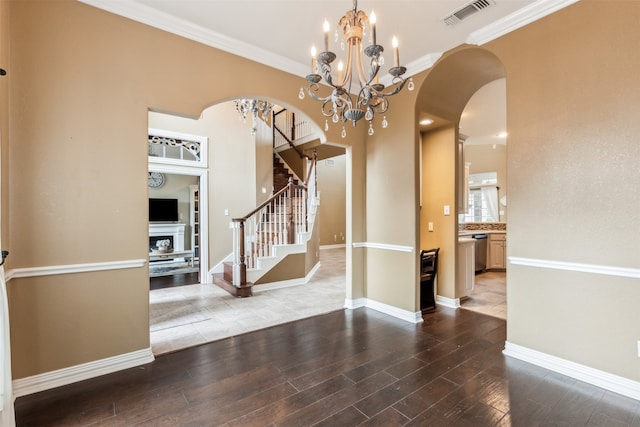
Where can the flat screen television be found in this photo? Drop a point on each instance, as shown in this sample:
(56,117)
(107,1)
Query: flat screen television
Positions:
(163,210)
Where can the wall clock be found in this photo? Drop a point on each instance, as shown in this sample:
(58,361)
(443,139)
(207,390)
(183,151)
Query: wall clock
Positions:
(156,179)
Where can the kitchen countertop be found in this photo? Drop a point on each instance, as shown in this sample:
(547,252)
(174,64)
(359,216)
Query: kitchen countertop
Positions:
(472,232)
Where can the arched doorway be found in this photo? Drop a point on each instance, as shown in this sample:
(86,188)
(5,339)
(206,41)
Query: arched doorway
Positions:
(239,177)
(445,92)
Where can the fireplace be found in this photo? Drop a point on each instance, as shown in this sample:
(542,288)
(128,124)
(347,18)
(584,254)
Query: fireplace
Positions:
(173,232)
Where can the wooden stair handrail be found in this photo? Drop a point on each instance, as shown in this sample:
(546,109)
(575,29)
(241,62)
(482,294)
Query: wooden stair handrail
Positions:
(295,222)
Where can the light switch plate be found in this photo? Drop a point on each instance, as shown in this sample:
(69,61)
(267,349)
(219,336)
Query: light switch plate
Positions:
(430,225)
(447,210)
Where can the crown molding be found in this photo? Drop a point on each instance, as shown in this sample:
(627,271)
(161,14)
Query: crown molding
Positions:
(180,27)
(163,21)
(517,19)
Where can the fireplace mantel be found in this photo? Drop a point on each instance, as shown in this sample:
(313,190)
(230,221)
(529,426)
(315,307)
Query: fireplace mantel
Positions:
(169,229)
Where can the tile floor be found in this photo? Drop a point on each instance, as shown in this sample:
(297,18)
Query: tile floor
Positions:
(489,295)
(190,315)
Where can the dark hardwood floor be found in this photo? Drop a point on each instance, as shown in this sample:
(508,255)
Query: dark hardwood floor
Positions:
(172,281)
(346,368)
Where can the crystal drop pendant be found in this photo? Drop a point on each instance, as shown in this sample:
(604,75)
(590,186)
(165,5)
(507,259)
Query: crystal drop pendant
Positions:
(371,131)
(368,115)
(385,123)
(326,125)
(301,93)
(344,132)
(335,118)
(411,86)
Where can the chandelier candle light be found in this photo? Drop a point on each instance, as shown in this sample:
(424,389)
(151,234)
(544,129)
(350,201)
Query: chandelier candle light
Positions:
(255,107)
(341,105)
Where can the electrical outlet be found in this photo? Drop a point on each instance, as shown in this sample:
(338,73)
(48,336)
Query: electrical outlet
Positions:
(226,212)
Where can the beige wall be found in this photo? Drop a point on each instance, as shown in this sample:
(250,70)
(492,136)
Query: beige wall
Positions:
(573,182)
(4,122)
(333,197)
(438,189)
(571,98)
(72,145)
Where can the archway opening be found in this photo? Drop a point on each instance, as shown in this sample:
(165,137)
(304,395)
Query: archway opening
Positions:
(443,96)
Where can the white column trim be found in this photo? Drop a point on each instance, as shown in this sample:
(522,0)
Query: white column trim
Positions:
(605,380)
(52,270)
(448,302)
(576,266)
(72,374)
(385,246)
(399,313)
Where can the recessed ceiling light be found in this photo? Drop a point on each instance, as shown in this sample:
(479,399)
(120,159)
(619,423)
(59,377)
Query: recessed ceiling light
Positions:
(426,122)
(502,135)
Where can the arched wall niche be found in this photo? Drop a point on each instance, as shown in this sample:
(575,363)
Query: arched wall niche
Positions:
(443,95)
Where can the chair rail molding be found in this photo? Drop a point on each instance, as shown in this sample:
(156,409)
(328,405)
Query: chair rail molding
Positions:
(52,270)
(576,266)
(385,246)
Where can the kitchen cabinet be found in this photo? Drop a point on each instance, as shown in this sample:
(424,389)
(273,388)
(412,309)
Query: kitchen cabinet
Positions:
(497,253)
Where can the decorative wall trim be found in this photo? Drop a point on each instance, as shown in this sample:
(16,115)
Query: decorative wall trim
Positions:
(286,283)
(575,266)
(528,14)
(352,304)
(72,374)
(397,248)
(341,245)
(407,316)
(448,302)
(611,382)
(52,270)
(149,16)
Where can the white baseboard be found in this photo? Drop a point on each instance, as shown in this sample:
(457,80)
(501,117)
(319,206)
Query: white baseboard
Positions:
(286,283)
(407,316)
(72,374)
(333,246)
(352,304)
(605,380)
(448,302)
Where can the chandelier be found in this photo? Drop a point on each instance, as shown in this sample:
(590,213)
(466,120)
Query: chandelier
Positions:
(341,104)
(255,107)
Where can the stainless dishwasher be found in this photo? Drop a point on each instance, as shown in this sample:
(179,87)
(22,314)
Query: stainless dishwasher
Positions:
(481,252)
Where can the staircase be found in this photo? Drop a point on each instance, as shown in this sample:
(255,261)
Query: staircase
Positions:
(280,226)
(281,175)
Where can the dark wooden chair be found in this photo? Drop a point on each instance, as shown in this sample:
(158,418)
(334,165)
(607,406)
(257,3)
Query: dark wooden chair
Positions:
(428,273)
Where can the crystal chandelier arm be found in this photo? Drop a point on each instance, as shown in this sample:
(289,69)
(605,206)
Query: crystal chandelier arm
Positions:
(397,84)
(325,71)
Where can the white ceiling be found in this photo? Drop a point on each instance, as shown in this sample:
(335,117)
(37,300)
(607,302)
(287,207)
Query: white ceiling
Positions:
(485,115)
(280,33)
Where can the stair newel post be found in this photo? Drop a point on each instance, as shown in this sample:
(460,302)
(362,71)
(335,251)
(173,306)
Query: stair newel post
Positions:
(242,270)
(290,224)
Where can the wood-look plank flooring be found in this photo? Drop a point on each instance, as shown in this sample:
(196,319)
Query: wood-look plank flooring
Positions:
(173,281)
(345,368)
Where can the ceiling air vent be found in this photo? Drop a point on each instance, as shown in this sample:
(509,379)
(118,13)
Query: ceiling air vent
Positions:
(466,11)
